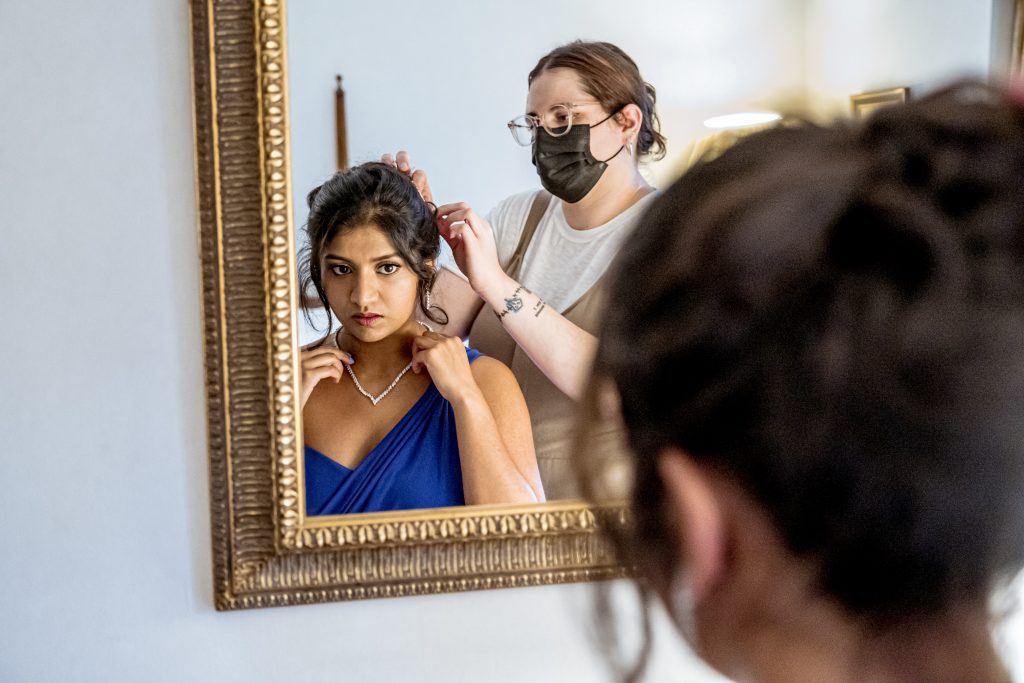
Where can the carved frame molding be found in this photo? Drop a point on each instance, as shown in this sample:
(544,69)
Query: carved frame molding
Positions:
(265,552)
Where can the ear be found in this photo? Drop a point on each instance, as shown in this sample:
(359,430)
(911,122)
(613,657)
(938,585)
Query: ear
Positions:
(696,518)
(630,118)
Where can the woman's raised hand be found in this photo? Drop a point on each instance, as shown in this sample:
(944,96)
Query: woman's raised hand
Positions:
(445,359)
(472,242)
(319,364)
(418,176)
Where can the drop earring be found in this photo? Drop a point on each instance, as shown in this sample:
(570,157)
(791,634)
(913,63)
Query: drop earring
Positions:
(429,301)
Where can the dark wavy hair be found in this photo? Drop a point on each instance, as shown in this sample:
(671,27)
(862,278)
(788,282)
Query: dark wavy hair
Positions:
(833,317)
(614,80)
(372,194)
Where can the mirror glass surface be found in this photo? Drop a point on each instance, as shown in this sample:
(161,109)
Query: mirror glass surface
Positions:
(441,79)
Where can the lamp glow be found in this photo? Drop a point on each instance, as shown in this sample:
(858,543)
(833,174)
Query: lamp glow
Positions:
(742,119)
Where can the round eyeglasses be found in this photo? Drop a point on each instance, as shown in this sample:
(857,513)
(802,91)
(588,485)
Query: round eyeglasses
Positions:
(557,121)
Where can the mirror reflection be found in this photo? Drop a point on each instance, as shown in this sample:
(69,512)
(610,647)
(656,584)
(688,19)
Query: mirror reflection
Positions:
(397,415)
(453,276)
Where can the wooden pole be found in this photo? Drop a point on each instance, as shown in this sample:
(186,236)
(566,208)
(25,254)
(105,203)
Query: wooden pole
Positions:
(342,132)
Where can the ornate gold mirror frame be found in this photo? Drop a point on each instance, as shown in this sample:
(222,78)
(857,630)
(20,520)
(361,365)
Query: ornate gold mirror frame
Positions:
(265,552)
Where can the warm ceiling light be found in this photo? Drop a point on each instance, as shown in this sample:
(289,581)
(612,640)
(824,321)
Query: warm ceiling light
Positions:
(743,119)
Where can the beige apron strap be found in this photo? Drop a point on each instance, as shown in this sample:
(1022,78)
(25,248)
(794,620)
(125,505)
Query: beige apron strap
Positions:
(541,200)
(487,334)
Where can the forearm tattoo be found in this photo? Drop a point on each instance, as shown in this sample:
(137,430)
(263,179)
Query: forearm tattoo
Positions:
(513,304)
(538,307)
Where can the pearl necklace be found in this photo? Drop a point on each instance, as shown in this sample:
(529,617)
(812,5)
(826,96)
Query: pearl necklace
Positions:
(355,380)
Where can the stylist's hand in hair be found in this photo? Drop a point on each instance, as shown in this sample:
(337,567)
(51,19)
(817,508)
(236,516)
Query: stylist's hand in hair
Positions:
(472,242)
(418,176)
(445,359)
(319,364)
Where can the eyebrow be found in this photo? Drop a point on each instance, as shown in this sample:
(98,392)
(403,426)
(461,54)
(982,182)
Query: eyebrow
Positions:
(555,104)
(335,257)
(534,112)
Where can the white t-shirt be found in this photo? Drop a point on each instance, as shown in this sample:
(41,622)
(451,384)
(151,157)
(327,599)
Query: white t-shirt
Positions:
(560,264)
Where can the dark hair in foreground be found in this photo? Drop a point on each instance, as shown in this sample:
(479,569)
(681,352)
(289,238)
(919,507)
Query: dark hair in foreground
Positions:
(372,194)
(833,317)
(613,79)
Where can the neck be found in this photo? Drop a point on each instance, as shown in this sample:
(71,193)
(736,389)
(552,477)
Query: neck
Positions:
(829,647)
(769,622)
(619,188)
(384,357)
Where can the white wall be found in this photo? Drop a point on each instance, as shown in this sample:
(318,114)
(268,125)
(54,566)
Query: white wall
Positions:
(865,45)
(105,567)
(442,78)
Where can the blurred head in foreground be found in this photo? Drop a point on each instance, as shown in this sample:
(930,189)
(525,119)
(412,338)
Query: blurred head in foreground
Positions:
(822,376)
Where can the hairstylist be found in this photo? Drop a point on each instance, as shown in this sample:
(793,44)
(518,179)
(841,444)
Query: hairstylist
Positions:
(532,272)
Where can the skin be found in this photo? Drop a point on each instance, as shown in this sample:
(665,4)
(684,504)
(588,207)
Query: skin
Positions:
(560,349)
(373,291)
(758,616)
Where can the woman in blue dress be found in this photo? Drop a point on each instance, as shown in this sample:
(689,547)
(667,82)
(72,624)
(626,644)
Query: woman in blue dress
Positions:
(395,415)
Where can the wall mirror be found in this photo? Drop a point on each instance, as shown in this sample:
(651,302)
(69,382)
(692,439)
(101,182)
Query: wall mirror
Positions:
(439,79)
(267,551)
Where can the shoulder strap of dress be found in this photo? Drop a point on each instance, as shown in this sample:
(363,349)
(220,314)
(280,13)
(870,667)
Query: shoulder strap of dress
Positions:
(541,200)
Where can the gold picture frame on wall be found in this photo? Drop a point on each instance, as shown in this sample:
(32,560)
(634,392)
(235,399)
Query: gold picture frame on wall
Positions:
(265,551)
(864,104)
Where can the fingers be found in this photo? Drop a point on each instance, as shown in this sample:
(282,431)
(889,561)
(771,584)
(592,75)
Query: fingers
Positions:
(451,221)
(448,231)
(318,374)
(457,216)
(470,219)
(423,348)
(402,161)
(452,234)
(451,214)
(454,240)
(449,208)
(325,355)
(419,180)
(461,232)
(419,345)
(321,362)
(427,340)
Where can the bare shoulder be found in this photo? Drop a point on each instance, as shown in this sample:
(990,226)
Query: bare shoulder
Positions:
(492,374)
(501,391)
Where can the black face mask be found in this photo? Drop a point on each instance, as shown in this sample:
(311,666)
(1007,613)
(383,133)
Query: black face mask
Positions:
(565,165)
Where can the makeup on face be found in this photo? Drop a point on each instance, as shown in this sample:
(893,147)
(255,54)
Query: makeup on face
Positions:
(370,287)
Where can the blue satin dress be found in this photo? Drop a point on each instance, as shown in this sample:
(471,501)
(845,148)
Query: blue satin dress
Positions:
(416,465)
